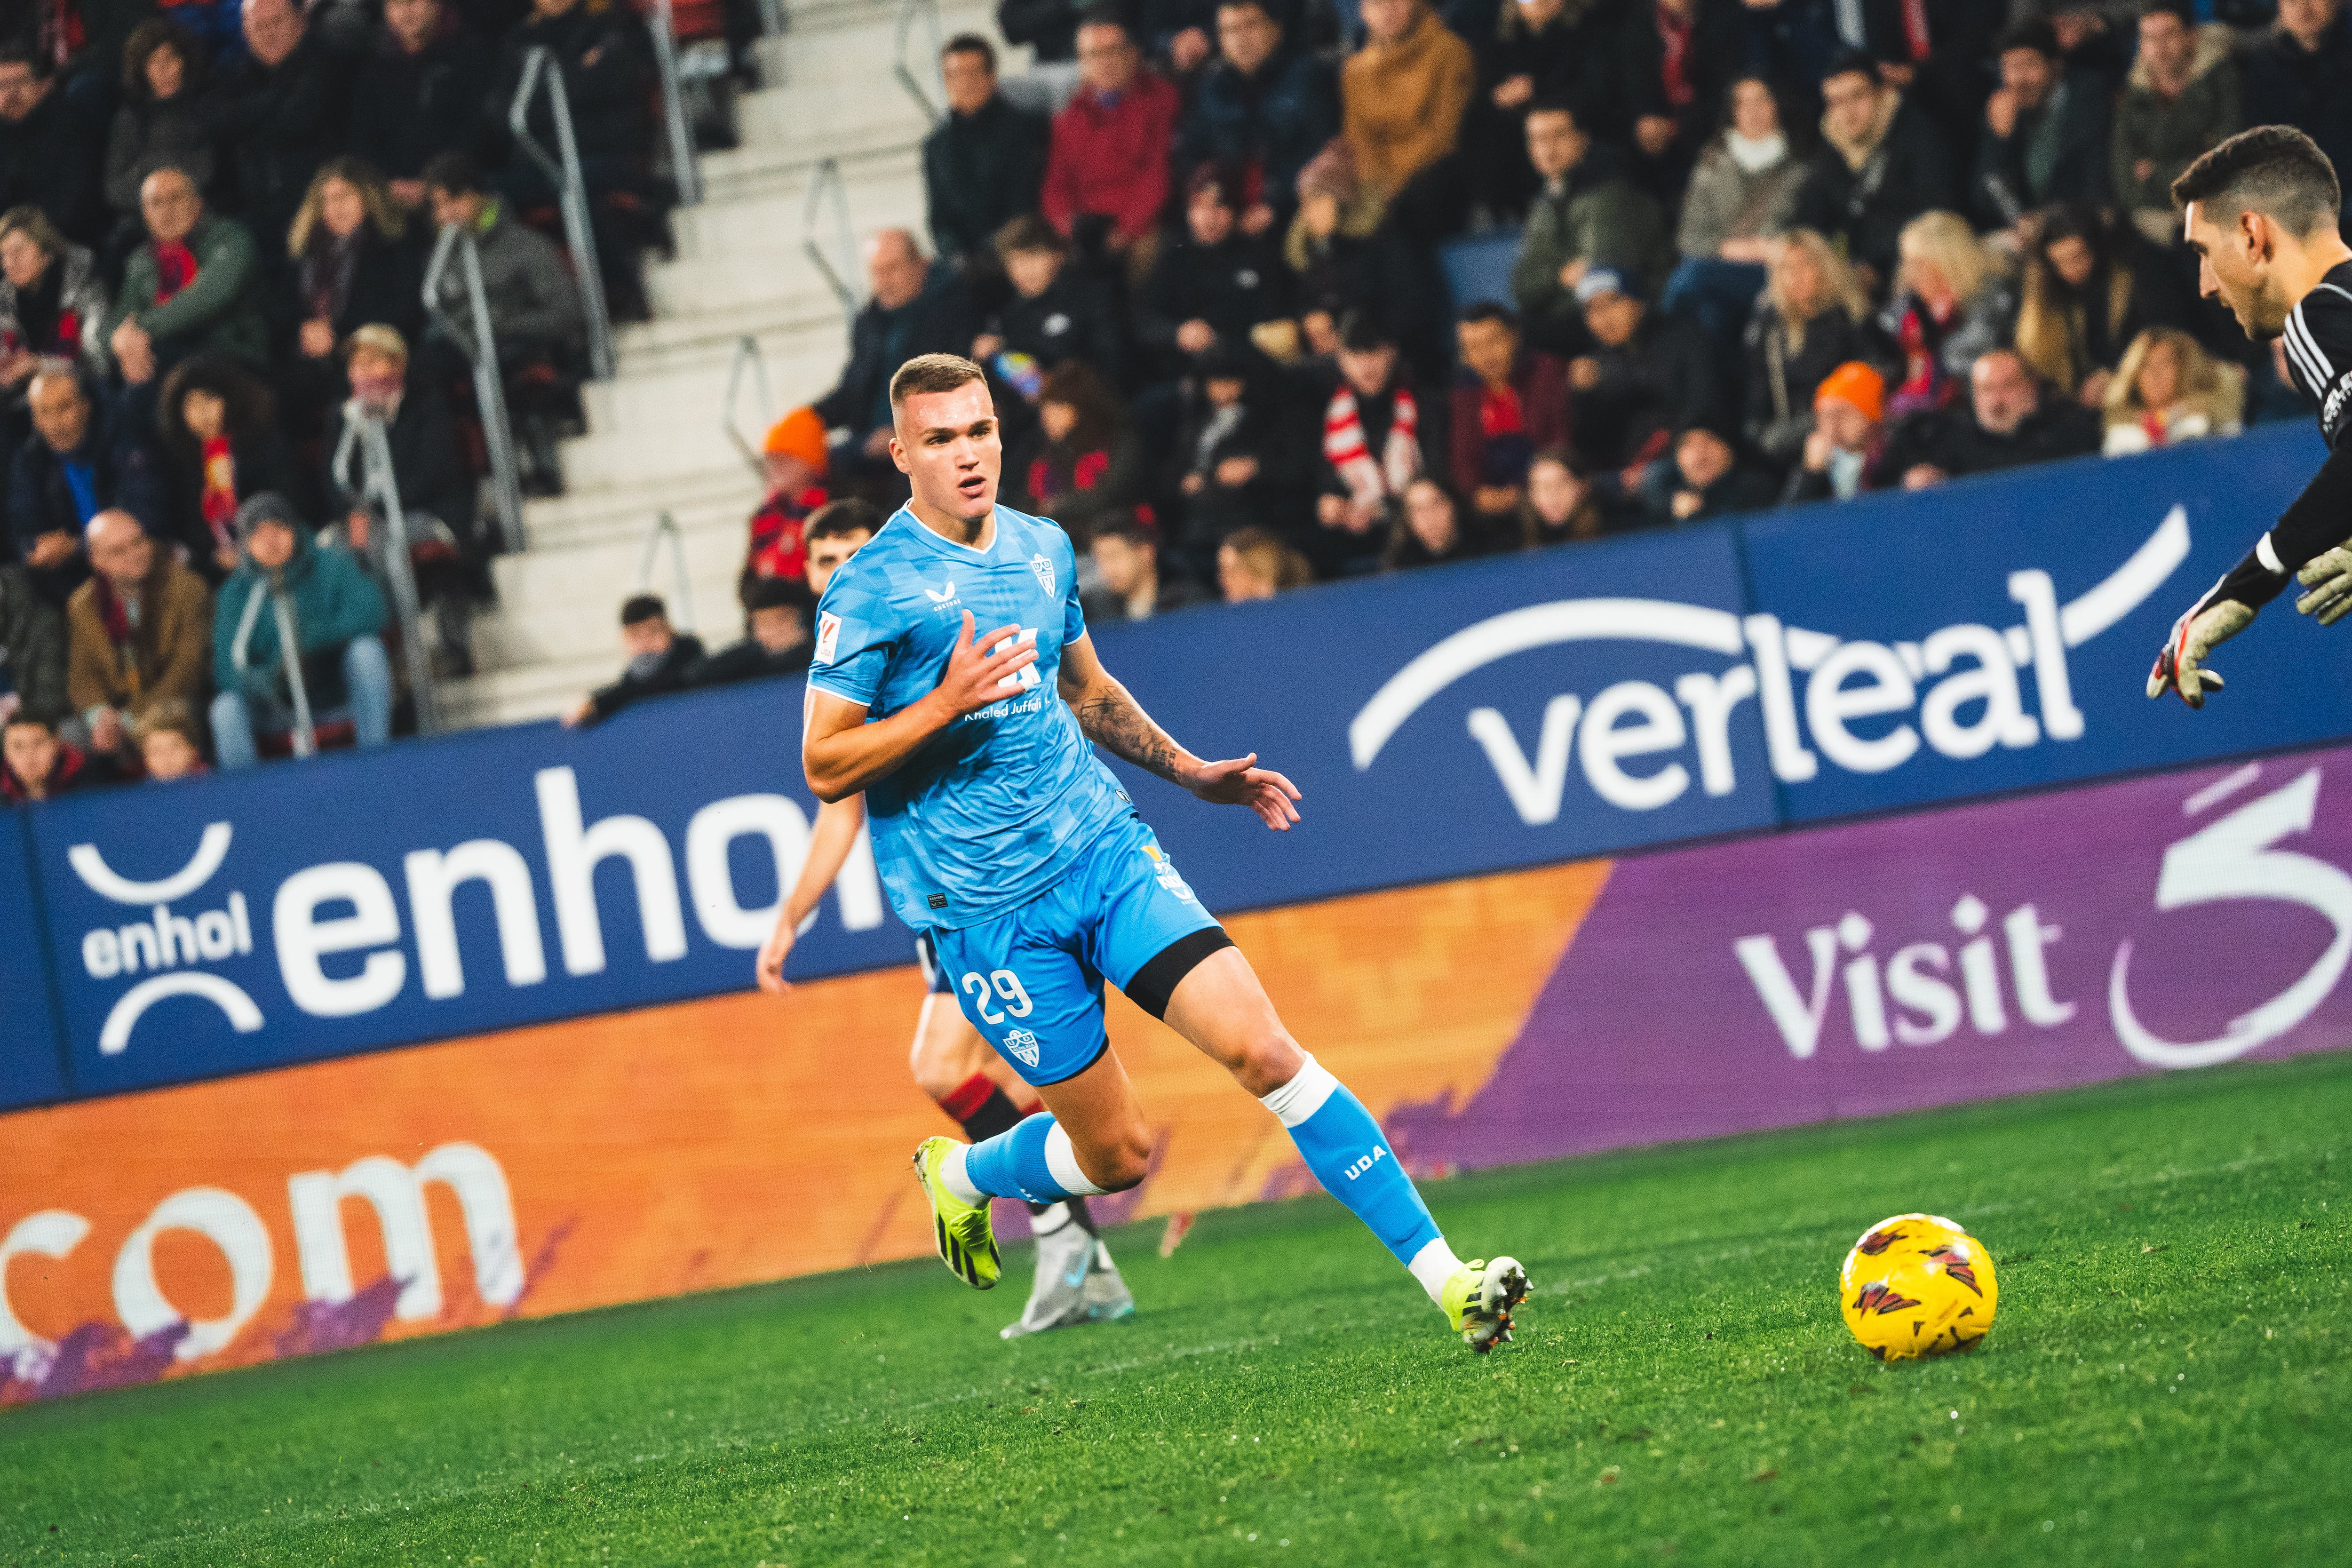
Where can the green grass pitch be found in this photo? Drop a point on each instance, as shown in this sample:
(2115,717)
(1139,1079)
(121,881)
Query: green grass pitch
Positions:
(2164,1385)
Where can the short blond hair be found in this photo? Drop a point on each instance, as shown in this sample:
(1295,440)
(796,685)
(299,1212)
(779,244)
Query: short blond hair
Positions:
(932,373)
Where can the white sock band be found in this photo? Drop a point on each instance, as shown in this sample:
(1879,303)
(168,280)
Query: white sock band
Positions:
(956,1179)
(1062,1164)
(1433,1265)
(1303,1096)
(1053,1218)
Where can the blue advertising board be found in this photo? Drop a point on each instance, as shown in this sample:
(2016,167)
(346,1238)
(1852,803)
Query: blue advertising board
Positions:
(1986,636)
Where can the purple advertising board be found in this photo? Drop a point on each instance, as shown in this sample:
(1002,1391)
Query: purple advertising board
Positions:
(2163,923)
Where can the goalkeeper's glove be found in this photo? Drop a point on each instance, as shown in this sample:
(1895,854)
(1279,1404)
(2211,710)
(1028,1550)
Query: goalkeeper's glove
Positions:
(2329,578)
(2180,667)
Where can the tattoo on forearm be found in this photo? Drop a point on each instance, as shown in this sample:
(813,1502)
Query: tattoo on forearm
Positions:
(1111,720)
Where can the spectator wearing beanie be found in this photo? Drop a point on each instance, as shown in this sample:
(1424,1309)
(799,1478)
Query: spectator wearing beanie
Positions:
(796,459)
(195,286)
(1701,476)
(1265,104)
(1130,584)
(32,650)
(1510,403)
(1402,97)
(52,305)
(338,616)
(984,163)
(2180,99)
(2046,136)
(1109,160)
(1647,376)
(660,662)
(1849,437)
(1586,214)
(779,610)
(162,124)
(139,630)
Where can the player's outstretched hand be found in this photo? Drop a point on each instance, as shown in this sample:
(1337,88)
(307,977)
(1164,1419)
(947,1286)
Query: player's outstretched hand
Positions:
(2181,666)
(1240,782)
(772,955)
(2329,578)
(982,671)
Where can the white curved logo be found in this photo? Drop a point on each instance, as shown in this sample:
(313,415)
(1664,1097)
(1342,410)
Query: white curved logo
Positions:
(1516,631)
(2233,858)
(244,1016)
(103,880)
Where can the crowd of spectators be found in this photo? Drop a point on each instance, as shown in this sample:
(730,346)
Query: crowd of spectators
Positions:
(216,220)
(1766,252)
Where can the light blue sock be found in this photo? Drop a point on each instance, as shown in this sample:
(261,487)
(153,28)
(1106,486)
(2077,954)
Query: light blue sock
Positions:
(1344,1147)
(1032,1160)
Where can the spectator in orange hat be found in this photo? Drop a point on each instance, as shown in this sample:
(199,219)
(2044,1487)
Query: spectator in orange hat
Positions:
(1842,454)
(796,456)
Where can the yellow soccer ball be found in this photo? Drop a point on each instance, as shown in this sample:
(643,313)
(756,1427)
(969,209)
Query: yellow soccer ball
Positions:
(1917,1285)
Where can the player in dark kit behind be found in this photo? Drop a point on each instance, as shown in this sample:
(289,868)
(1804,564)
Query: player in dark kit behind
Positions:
(2260,210)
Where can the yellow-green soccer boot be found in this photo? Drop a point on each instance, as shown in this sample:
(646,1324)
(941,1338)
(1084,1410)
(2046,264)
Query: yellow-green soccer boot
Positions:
(1478,1300)
(967,1240)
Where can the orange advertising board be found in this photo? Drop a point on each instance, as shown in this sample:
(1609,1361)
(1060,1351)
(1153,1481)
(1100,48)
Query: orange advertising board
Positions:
(680,1147)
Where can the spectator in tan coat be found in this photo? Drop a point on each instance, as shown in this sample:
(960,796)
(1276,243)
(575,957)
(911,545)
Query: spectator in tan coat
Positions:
(1402,97)
(139,631)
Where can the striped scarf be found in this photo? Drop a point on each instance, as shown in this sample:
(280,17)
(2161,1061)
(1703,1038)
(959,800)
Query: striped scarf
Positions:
(1345,449)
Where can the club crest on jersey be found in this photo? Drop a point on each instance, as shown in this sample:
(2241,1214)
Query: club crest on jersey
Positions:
(828,637)
(1024,1044)
(943,599)
(1045,570)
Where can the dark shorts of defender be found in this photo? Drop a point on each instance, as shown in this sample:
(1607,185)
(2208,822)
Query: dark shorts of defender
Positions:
(1031,980)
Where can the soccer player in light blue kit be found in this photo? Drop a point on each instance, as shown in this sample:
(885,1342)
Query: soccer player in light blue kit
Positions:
(1000,834)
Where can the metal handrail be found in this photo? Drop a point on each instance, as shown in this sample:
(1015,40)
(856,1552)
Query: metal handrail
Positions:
(824,180)
(289,653)
(474,340)
(379,484)
(572,190)
(686,167)
(747,352)
(908,10)
(772,19)
(666,527)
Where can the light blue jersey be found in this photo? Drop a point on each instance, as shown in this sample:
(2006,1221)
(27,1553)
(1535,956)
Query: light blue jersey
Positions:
(993,809)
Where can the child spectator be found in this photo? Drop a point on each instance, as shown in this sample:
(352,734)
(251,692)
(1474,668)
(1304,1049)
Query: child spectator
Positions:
(2169,389)
(1109,160)
(1741,196)
(984,163)
(1586,214)
(171,741)
(52,306)
(1253,565)
(337,619)
(195,286)
(81,460)
(1843,450)
(1081,463)
(419,94)
(1379,433)
(836,530)
(137,631)
(1055,314)
(1215,283)
(1427,528)
(221,448)
(1951,304)
(796,459)
(161,123)
(1265,106)
(779,610)
(32,650)
(1235,462)
(1129,584)
(1702,478)
(1509,402)
(35,766)
(1402,97)
(660,660)
(2089,290)
(1813,317)
(2181,99)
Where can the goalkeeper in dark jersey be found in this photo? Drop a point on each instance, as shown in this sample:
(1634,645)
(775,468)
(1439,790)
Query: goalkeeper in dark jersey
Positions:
(2260,210)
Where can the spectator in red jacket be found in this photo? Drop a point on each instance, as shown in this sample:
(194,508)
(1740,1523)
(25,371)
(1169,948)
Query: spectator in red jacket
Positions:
(1510,403)
(796,459)
(1112,145)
